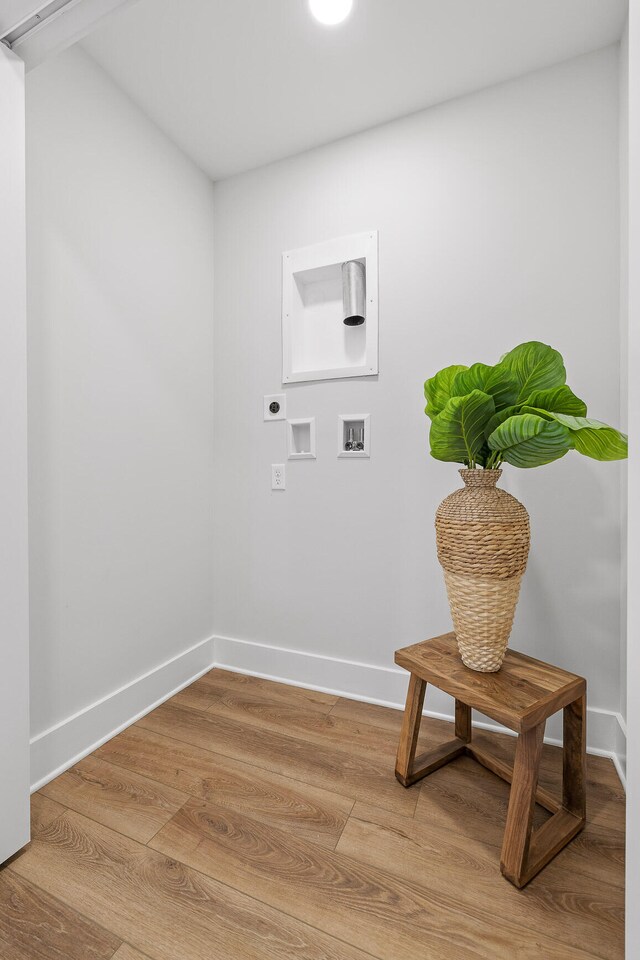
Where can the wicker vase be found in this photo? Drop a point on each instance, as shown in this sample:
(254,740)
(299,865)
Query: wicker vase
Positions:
(483,540)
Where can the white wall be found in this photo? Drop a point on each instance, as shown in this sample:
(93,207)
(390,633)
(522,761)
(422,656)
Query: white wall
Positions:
(14,600)
(120,314)
(624,377)
(633,610)
(498,220)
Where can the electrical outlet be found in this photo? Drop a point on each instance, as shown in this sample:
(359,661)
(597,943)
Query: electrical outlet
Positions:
(274,407)
(277,476)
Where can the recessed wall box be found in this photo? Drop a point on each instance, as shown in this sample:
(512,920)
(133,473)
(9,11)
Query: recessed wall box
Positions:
(301,436)
(323,288)
(354,435)
(274,406)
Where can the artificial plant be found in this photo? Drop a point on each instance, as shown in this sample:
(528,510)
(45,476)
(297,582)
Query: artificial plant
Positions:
(519,411)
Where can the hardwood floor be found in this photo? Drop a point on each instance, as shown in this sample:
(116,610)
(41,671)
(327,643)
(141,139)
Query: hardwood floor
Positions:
(251,820)
(125,952)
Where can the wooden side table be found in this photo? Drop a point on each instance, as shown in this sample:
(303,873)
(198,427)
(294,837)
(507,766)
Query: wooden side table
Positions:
(521,696)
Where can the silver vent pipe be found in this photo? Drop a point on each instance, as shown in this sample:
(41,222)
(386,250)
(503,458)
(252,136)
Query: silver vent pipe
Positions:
(353,292)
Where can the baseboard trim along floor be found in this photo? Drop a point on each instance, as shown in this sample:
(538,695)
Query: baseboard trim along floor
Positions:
(56,749)
(60,746)
(387,686)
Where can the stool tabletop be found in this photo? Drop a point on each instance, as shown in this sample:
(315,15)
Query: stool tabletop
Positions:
(523,693)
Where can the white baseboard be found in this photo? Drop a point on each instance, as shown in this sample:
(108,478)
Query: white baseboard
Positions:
(55,750)
(387,686)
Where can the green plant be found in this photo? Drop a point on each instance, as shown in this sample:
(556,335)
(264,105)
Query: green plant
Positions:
(519,411)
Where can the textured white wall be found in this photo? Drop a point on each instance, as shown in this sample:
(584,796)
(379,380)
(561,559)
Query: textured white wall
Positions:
(120,230)
(498,220)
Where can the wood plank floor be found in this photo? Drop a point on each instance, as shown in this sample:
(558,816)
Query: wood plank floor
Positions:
(252,820)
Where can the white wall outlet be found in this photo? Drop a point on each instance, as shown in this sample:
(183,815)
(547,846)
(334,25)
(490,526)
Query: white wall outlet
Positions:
(275,406)
(278,480)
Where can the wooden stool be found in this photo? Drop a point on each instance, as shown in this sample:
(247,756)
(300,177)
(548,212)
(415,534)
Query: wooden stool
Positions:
(521,696)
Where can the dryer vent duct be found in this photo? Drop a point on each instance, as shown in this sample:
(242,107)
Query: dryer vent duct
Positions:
(353,292)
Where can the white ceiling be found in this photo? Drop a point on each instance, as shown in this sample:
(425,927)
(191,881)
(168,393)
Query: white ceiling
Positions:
(239,83)
(50,25)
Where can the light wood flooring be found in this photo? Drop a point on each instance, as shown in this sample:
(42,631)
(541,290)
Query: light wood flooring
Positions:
(248,820)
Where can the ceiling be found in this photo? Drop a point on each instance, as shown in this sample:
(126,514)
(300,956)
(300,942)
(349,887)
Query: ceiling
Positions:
(39,29)
(239,83)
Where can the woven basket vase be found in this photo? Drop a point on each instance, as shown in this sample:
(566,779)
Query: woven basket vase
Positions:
(483,541)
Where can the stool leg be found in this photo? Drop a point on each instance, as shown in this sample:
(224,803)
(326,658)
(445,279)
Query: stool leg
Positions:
(410,728)
(463,721)
(574,758)
(517,834)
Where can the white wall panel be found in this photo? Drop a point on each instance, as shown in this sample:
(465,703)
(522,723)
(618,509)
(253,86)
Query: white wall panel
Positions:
(14,600)
(498,220)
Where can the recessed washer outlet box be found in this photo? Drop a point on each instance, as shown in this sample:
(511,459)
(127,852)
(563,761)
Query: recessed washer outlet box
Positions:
(354,435)
(301,436)
(317,343)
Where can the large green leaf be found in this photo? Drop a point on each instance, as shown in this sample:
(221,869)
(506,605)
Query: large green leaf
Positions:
(501,416)
(595,439)
(535,366)
(437,390)
(497,381)
(457,433)
(558,400)
(527,440)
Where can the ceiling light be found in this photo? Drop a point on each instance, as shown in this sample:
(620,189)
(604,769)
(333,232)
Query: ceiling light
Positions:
(330,12)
